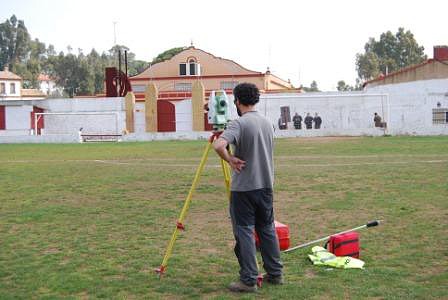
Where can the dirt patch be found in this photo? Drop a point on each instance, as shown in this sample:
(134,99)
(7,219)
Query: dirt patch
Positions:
(51,251)
(310,273)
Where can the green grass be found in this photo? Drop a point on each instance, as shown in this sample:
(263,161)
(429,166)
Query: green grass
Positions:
(93,220)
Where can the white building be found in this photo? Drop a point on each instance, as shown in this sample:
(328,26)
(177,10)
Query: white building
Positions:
(418,95)
(47,85)
(10,85)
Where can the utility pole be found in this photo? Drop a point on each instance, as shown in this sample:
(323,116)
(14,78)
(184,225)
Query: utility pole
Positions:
(115,33)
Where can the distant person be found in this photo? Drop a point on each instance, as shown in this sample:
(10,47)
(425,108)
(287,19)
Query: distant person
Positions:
(317,121)
(80,135)
(377,120)
(308,121)
(281,124)
(297,119)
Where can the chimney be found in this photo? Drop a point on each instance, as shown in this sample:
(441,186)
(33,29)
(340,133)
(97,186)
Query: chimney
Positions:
(441,52)
(6,68)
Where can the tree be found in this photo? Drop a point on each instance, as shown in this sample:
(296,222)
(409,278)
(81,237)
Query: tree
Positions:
(313,87)
(14,42)
(74,74)
(342,86)
(391,53)
(167,54)
(78,74)
(134,66)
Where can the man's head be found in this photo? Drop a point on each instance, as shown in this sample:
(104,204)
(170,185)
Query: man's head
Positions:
(375,114)
(246,93)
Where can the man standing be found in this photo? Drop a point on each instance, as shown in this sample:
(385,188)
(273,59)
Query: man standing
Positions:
(297,119)
(317,121)
(308,121)
(251,204)
(282,124)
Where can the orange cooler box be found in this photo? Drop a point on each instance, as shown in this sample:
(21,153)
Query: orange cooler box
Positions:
(282,231)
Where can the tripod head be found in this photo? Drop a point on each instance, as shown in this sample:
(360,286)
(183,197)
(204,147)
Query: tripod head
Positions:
(219,110)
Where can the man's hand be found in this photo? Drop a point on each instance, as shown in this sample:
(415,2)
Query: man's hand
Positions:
(236,163)
(220,146)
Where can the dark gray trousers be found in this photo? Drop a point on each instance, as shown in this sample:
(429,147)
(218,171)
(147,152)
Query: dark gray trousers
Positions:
(249,211)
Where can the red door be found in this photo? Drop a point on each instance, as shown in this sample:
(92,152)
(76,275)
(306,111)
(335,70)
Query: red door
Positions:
(166,116)
(2,118)
(40,122)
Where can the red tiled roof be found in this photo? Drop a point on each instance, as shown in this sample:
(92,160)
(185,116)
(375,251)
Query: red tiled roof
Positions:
(43,77)
(404,70)
(9,75)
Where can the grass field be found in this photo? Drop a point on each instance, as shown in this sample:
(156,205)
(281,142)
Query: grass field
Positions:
(93,220)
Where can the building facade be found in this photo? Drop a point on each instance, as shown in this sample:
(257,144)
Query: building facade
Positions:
(174,78)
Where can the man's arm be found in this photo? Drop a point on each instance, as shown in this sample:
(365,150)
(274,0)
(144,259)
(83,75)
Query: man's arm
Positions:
(220,146)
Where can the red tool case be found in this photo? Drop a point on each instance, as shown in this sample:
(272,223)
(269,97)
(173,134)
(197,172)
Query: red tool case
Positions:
(346,244)
(282,232)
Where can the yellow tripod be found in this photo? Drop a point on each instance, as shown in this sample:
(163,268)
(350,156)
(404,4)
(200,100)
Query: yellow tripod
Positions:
(179,224)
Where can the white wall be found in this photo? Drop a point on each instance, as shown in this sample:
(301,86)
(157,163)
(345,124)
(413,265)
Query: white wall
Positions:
(406,107)
(91,124)
(18,117)
(346,110)
(411,105)
(184,115)
(139,117)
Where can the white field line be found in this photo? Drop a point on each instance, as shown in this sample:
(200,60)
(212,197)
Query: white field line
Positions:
(197,159)
(141,162)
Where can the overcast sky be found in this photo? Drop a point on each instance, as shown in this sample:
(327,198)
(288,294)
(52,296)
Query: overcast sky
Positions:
(298,40)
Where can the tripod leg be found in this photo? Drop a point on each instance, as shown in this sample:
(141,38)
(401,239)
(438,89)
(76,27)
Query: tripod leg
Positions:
(179,224)
(226,172)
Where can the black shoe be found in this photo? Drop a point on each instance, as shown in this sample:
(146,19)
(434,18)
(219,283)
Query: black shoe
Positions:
(273,279)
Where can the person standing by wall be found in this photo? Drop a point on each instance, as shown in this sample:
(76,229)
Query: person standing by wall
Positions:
(251,203)
(308,121)
(317,121)
(297,120)
(377,120)
(282,124)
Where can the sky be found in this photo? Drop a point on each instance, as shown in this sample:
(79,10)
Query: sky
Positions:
(298,40)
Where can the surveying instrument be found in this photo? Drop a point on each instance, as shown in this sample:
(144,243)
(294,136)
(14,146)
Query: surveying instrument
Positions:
(219,116)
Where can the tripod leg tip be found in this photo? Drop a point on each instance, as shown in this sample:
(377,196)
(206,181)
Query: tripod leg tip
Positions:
(160,271)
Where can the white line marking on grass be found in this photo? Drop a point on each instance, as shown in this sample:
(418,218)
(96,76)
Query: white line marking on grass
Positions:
(277,165)
(145,162)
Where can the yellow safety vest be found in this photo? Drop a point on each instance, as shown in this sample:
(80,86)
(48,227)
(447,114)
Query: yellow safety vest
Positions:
(322,257)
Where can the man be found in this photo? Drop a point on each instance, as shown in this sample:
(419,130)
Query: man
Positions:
(282,124)
(297,119)
(317,121)
(377,120)
(251,204)
(308,121)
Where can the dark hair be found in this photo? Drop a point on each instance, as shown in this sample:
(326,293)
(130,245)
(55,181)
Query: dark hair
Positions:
(247,93)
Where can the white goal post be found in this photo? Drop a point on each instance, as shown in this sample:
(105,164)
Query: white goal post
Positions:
(78,123)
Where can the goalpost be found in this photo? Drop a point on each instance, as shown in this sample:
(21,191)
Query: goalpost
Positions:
(89,123)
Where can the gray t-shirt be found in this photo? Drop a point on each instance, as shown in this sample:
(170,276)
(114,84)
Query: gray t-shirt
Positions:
(252,138)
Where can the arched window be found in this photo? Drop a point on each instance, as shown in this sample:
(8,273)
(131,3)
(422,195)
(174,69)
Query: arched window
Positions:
(190,67)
